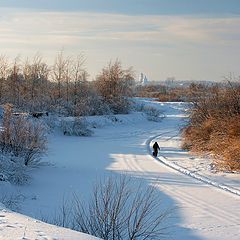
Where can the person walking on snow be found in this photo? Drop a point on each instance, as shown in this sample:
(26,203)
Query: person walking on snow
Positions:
(155,148)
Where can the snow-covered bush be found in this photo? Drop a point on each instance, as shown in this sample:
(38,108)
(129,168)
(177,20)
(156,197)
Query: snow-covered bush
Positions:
(152,113)
(137,106)
(119,105)
(102,108)
(97,106)
(92,105)
(13,170)
(76,127)
(18,174)
(22,138)
(12,200)
(50,122)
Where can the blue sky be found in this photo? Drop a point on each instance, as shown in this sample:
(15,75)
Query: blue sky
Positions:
(187,39)
(134,7)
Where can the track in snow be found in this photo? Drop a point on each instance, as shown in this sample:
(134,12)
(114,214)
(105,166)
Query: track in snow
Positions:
(185,171)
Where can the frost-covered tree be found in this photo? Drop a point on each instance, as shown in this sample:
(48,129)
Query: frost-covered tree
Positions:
(34,86)
(14,83)
(114,84)
(36,94)
(4,67)
(59,73)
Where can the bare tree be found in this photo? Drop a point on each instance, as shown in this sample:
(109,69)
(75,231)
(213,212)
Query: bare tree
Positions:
(59,72)
(14,83)
(5,134)
(114,85)
(68,79)
(116,211)
(78,75)
(4,67)
(36,81)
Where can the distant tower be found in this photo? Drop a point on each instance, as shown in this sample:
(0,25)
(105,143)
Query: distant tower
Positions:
(143,79)
(141,76)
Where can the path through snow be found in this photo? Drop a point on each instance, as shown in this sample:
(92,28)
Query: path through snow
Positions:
(209,212)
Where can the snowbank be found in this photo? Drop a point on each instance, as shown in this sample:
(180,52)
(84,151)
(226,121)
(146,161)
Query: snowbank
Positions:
(14,226)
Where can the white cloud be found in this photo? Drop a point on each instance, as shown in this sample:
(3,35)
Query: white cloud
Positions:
(114,34)
(105,26)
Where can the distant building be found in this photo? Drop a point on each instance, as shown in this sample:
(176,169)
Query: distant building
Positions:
(143,81)
(170,81)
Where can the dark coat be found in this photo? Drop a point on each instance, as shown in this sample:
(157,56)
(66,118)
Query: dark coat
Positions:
(156,146)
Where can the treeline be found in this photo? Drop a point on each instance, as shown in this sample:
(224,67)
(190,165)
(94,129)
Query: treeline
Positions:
(214,125)
(170,94)
(63,87)
(35,87)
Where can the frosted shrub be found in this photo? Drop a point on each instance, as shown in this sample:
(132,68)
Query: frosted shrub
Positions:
(103,109)
(13,170)
(22,138)
(19,175)
(137,106)
(153,114)
(98,106)
(119,105)
(77,127)
(50,122)
(12,200)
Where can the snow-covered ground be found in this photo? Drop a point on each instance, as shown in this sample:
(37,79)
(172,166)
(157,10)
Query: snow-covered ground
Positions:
(15,226)
(121,145)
